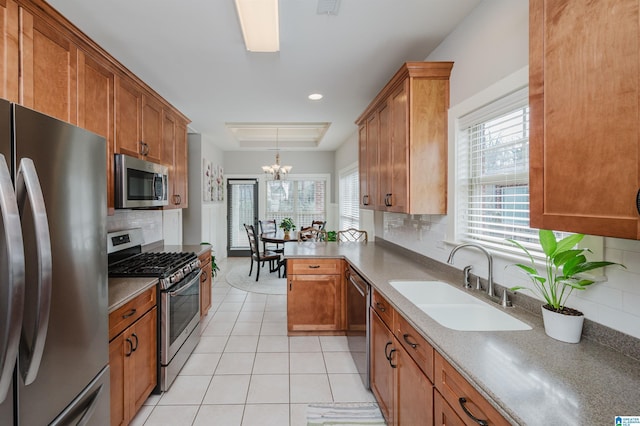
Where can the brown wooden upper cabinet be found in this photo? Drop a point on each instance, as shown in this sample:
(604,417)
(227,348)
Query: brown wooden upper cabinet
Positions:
(174,145)
(48,63)
(95,108)
(9,50)
(584,89)
(138,123)
(403,142)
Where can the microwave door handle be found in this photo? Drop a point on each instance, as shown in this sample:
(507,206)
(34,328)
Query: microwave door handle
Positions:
(13,293)
(28,187)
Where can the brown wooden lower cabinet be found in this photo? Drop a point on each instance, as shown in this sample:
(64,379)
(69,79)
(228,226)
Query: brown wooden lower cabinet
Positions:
(133,360)
(443,414)
(205,283)
(315,296)
(404,393)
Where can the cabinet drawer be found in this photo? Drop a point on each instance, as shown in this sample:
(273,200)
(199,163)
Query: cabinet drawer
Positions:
(383,308)
(458,393)
(128,313)
(416,346)
(315,267)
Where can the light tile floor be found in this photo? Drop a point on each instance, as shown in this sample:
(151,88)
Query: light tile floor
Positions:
(247,371)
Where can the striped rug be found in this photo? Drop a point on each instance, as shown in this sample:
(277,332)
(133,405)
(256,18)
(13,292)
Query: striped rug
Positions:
(348,414)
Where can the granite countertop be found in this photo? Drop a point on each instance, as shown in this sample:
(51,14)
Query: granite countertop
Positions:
(122,290)
(530,378)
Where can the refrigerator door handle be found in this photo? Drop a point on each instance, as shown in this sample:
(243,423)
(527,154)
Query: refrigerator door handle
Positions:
(14,293)
(28,186)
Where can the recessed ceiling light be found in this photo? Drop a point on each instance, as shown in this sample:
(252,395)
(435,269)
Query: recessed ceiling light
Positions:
(315,96)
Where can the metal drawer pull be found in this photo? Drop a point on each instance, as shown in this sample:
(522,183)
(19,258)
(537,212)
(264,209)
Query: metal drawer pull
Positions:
(463,401)
(413,345)
(130,347)
(136,347)
(381,307)
(387,356)
(314,266)
(391,363)
(129,313)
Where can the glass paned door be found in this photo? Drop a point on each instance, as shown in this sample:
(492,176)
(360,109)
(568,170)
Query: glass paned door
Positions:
(242,207)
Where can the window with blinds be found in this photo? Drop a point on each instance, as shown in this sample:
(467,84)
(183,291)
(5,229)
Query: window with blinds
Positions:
(303,200)
(349,200)
(493,186)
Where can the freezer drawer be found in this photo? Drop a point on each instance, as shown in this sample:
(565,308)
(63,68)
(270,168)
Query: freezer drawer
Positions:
(91,407)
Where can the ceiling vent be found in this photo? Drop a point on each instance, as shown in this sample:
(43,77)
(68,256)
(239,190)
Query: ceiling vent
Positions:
(328,7)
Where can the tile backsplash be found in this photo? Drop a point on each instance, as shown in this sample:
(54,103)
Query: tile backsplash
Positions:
(614,303)
(149,220)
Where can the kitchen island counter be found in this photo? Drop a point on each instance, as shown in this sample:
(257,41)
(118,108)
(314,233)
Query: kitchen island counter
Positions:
(530,378)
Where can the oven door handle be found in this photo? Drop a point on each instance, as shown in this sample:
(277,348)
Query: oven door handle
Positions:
(186,286)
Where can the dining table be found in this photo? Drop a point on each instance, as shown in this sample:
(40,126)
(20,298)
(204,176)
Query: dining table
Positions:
(278,237)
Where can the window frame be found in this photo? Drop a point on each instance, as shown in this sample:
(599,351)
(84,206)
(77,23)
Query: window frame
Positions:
(295,215)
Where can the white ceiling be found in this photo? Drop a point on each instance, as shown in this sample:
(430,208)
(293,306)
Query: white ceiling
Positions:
(192,53)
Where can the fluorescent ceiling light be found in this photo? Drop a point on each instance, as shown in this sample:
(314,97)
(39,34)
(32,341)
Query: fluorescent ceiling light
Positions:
(259,23)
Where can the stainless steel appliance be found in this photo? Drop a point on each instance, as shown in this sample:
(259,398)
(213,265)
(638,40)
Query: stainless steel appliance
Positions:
(358,294)
(179,276)
(53,261)
(139,183)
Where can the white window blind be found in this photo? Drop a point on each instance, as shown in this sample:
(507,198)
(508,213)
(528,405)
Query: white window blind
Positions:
(349,201)
(493,155)
(303,200)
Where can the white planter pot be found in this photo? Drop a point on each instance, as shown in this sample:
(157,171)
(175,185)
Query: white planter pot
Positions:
(566,328)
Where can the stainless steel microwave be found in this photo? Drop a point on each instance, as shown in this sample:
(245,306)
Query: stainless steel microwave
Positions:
(139,183)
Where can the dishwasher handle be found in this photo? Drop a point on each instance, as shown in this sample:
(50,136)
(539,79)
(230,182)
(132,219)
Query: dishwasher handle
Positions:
(357,282)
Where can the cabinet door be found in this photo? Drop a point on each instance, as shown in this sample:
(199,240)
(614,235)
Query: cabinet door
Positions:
(414,392)
(314,303)
(443,414)
(118,351)
(142,370)
(373,170)
(398,151)
(363,168)
(152,129)
(385,191)
(9,50)
(205,289)
(583,96)
(96,109)
(180,167)
(381,374)
(48,79)
(128,115)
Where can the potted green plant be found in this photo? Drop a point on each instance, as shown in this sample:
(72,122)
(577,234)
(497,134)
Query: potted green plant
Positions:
(287,225)
(563,264)
(214,266)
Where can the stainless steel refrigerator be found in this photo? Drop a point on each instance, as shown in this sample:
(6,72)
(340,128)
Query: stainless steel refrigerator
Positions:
(53,272)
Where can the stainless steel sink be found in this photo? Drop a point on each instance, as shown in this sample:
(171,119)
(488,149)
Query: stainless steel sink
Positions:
(455,309)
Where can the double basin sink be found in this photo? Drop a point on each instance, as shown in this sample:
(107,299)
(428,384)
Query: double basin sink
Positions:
(456,309)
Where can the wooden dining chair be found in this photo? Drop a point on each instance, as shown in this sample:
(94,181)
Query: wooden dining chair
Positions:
(318,224)
(270,227)
(310,233)
(261,257)
(352,235)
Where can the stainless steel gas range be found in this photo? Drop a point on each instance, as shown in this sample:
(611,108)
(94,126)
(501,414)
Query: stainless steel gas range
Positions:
(179,296)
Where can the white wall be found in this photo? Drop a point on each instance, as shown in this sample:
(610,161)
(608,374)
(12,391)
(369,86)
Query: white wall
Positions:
(204,221)
(490,53)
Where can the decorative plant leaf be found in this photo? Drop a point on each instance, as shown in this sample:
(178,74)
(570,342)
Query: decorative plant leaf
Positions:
(548,242)
(563,263)
(568,242)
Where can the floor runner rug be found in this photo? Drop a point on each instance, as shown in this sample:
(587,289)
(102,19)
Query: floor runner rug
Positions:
(347,414)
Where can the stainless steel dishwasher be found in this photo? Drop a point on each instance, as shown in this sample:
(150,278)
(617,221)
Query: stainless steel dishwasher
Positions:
(358,293)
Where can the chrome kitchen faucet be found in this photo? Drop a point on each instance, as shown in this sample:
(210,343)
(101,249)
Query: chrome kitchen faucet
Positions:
(489,259)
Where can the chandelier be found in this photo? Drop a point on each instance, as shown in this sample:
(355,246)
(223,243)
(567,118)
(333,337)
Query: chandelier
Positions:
(277,171)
